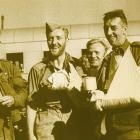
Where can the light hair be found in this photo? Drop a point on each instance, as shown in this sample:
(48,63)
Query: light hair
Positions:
(97,40)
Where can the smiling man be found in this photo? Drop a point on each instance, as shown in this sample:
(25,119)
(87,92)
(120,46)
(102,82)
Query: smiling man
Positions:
(120,81)
(57,42)
(50,83)
(96,51)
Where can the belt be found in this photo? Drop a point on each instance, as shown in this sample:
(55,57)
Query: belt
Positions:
(50,105)
(53,107)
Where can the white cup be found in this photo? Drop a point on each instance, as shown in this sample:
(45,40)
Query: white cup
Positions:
(89,83)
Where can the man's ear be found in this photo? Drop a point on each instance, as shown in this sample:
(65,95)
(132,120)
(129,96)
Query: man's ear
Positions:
(125,26)
(66,32)
(125,29)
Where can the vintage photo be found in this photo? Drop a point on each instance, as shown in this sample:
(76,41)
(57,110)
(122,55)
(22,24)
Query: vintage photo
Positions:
(69,70)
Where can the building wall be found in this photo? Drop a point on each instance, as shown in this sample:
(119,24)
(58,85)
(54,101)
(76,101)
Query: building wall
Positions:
(32,41)
(34,13)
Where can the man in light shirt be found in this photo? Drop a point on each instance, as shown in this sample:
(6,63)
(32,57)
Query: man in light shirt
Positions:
(50,84)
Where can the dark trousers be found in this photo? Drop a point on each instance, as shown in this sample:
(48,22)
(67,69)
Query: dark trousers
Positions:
(128,135)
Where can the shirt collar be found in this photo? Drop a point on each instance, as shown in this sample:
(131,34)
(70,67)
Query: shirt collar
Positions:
(121,50)
(49,62)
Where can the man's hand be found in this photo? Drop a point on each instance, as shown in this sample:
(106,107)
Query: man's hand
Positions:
(97,95)
(7,101)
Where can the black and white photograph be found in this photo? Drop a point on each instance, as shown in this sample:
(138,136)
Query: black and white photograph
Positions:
(69,69)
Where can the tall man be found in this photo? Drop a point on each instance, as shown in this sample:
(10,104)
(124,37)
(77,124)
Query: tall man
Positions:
(13,95)
(50,84)
(120,81)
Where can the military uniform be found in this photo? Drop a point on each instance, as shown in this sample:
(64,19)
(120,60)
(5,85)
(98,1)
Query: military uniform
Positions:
(54,106)
(120,125)
(11,84)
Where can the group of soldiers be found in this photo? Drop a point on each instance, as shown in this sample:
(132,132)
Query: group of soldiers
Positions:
(64,109)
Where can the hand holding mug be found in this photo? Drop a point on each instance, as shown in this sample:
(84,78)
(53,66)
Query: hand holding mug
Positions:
(97,95)
(89,83)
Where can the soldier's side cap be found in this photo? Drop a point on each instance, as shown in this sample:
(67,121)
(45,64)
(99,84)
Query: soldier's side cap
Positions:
(50,27)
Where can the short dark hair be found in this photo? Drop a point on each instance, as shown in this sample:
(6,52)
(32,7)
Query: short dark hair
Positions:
(115,13)
(97,40)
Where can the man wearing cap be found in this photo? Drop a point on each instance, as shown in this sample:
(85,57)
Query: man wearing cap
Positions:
(50,84)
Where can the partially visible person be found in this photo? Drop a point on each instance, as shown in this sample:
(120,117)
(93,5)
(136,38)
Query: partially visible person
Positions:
(13,95)
(120,81)
(17,64)
(50,85)
(96,51)
(84,61)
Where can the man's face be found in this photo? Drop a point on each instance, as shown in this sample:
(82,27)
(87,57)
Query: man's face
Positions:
(115,31)
(96,53)
(57,42)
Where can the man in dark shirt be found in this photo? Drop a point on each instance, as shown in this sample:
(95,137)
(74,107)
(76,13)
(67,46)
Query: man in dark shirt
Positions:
(122,118)
(13,95)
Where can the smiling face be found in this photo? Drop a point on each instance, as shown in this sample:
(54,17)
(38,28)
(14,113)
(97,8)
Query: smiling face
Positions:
(57,42)
(115,31)
(95,54)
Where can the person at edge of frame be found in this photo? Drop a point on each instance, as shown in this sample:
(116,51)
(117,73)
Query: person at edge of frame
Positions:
(120,82)
(13,95)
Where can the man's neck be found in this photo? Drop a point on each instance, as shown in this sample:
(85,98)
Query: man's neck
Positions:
(123,47)
(58,63)
(95,67)
(93,71)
